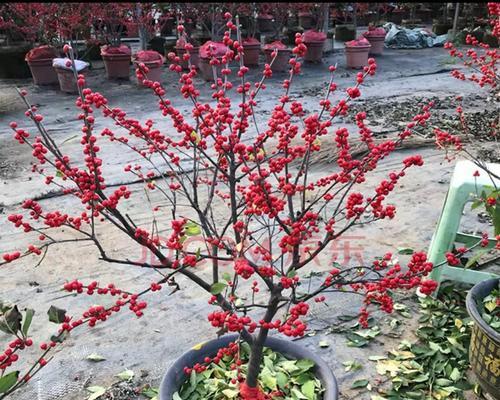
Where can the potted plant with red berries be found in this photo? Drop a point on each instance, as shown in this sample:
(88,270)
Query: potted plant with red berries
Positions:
(187,50)
(376,37)
(25,26)
(277,55)
(256,286)
(356,53)
(110,21)
(151,62)
(213,54)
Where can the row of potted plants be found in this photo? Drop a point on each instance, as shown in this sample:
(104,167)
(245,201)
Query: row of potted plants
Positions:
(117,59)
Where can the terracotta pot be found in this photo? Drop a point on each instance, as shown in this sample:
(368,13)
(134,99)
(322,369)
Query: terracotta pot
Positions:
(377,43)
(43,72)
(117,65)
(67,80)
(281,62)
(195,57)
(206,69)
(251,54)
(155,71)
(314,51)
(357,56)
(175,376)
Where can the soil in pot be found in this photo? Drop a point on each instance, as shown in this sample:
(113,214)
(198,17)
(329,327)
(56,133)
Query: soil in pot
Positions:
(484,351)
(286,368)
(39,61)
(13,65)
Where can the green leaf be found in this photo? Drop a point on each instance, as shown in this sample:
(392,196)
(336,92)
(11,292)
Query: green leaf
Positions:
(126,375)
(308,390)
(10,322)
(28,317)
(323,344)
(268,380)
(230,393)
(191,229)
(226,276)
(97,391)
(7,381)
(217,288)
(176,396)
(405,251)
(56,315)
(95,357)
(281,379)
(150,393)
(473,260)
(360,383)
(455,375)
(305,364)
(291,274)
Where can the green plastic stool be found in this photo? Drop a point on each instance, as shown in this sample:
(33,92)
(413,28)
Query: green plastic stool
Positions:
(462,185)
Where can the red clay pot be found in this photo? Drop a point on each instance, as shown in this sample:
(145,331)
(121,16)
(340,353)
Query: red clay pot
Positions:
(195,57)
(155,71)
(281,62)
(314,51)
(377,43)
(357,56)
(67,81)
(251,54)
(42,71)
(206,69)
(117,65)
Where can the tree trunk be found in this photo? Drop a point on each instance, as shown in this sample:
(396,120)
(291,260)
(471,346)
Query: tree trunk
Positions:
(257,347)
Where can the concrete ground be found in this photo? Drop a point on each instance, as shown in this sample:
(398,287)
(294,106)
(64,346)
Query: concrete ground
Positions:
(173,324)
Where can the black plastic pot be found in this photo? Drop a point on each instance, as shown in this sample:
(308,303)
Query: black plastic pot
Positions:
(175,376)
(484,350)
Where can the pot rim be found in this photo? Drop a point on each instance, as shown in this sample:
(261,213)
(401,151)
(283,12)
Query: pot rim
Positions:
(116,56)
(40,61)
(471,300)
(286,347)
(358,48)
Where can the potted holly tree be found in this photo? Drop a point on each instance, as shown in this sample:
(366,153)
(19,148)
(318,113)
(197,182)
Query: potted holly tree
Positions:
(110,21)
(246,191)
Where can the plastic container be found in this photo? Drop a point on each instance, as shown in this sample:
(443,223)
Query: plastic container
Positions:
(484,350)
(175,376)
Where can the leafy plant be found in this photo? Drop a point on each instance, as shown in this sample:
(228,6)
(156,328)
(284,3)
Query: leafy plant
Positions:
(490,309)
